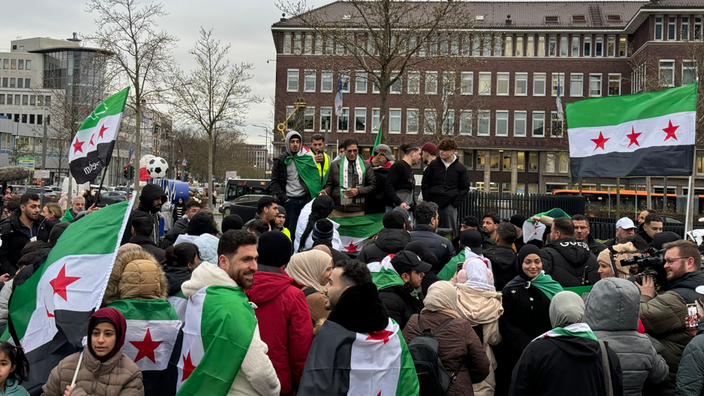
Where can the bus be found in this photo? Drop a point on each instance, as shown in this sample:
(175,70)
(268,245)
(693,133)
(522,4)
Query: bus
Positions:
(238,187)
(633,198)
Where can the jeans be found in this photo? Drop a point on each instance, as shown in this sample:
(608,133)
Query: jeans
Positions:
(448,219)
(293,209)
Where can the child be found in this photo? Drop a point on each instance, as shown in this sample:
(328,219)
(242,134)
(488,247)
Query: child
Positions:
(14,368)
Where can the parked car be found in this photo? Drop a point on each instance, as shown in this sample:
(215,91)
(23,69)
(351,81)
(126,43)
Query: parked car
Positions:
(244,206)
(118,195)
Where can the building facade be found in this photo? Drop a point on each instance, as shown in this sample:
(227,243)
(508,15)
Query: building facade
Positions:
(497,94)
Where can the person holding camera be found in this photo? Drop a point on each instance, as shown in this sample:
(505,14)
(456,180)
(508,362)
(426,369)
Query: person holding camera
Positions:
(663,315)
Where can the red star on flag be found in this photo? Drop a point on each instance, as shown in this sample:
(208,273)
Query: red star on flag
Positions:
(633,136)
(146,347)
(188,367)
(670,131)
(383,335)
(61,282)
(48,314)
(600,141)
(91,140)
(103,128)
(77,146)
(352,248)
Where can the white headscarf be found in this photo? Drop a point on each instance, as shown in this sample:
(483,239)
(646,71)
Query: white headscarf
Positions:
(476,274)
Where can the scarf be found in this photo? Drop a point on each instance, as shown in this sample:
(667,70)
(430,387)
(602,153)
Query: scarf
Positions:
(476,274)
(574,330)
(306,268)
(442,297)
(545,284)
(307,169)
(344,174)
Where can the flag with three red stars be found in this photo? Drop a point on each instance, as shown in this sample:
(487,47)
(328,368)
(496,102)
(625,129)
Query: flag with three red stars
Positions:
(48,313)
(91,149)
(356,230)
(647,134)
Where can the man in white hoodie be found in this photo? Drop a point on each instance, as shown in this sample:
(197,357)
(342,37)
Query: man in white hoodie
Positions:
(237,263)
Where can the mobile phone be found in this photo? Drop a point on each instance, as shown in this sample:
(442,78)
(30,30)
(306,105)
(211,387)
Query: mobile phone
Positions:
(692,319)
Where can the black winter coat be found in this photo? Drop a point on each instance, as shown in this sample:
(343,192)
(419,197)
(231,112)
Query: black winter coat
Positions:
(150,192)
(595,246)
(376,202)
(570,263)
(388,241)
(175,276)
(445,186)
(565,366)
(13,240)
(526,314)
(180,227)
(278,179)
(441,247)
(400,303)
(503,264)
(148,246)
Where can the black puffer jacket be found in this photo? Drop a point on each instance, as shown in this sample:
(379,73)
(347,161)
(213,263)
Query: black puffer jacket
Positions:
(570,263)
(445,185)
(388,241)
(594,246)
(441,247)
(503,264)
(400,303)
(176,276)
(150,192)
(13,240)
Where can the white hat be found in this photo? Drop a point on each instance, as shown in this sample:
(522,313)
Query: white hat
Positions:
(625,223)
(699,289)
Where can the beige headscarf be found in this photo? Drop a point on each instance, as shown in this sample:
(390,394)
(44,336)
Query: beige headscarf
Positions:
(323,248)
(626,250)
(306,268)
(442,297)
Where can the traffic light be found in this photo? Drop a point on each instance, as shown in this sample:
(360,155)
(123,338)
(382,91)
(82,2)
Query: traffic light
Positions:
(178,175)
(131,171)
(126,173)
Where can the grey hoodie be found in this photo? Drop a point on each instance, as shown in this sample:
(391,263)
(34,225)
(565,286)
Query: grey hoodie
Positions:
(612,309)
(294,185)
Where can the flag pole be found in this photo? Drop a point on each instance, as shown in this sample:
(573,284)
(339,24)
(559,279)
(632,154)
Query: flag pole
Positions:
(689,223)
(78,368)
(102,179)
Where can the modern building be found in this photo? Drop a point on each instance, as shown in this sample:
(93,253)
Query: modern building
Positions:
(498,92)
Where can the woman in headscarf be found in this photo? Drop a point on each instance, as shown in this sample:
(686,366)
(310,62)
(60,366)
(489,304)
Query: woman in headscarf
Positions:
(104,370)
(312,269)
(526,302)
(318,209)
(480,304)
(460,350)
(567,360)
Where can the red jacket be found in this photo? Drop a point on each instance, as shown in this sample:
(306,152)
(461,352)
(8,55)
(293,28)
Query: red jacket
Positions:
(284,323)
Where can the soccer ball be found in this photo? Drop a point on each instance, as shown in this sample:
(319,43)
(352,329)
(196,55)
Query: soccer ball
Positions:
(157,167)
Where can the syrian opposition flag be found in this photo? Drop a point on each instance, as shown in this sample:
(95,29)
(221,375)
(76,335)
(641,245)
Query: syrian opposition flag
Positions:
(647,134)
(534,229)
(355,230)
(383,273)
(179,302)
(214,344)
(342,362)
(48,314)
(307,169)
(152,329)
(91,149)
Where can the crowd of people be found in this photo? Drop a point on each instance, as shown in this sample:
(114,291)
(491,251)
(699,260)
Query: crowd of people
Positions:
(433,304)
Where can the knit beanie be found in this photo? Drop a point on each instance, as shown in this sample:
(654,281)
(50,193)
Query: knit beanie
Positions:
(231,222)
(274,249)
(201,223)
(323,229)
(430,148)
(208,248)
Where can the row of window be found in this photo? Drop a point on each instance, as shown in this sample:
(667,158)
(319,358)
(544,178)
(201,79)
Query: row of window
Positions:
(666,74)
(666,28)
(426,121)
(501,160)
(12,82)
(431,83)
(32,119)
(17,64)
(25,100)
(466,44)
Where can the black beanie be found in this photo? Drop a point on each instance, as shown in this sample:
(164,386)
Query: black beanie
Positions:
(201,224)
(274,249)
(232,222)
(323,229)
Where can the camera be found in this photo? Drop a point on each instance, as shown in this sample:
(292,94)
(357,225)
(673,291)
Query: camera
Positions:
(652,258)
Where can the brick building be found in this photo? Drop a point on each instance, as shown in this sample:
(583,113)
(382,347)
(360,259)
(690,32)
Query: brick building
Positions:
(498,96)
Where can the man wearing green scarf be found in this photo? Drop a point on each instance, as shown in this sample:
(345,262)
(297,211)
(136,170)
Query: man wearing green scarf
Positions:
(351,179)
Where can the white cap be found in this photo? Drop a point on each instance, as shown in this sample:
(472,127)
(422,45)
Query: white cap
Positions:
(625,223)
(699,289)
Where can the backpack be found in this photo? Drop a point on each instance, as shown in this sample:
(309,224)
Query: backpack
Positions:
(432,377)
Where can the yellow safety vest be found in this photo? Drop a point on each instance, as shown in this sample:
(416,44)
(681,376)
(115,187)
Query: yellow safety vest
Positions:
(287,233)
(324,167)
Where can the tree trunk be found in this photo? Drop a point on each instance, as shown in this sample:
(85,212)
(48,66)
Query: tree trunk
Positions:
(487,170)
(383,93)
(137,143)
(514,172)
(211,136)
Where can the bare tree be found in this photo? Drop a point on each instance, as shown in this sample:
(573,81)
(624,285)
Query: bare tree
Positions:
(140,51)
(384,38)
(214,96)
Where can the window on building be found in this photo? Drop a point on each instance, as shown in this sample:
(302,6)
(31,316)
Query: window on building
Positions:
(429,126)
(576,84)
(519,46)
(530,46)
(448,82)
(519,123)
(466,44)
(47,103)
(521,88)
(40,100)
(6,64)
(28,64)
(484,83)
(360,85)
(468,159)
(486,46)
(563,163)
(521,161)
(575,46)
(658,28)
(376,119)
(455,47)
(431,83)
(599,46)
(340,48)
(595,85)
(538,84)
(508,46)
(13,64)
(556,125)
(541,46)
(466,122)
(308,44)
(467,83)
(39,119)
(25,100)
(2,99)
(494,161)
(287,44)
(622,46)
(671,28)
(614,84)
(558,79)
(360,120)
(550,163)
(9,101)
(309,81)
(587,51)
(20,66)
(412,121)
(611,46)
(413,82)
(309,119)
(292,85)
(483,122)
(397,86)
(345,81)
(448,124)
(326,81)
(480,161)
(13,82)
(476,39)
(552,46)
(502,84)
(564,45)
(343,121)
(330,47)
(667,73)
(20,82)
(325,118)
(698,29)
(5,81)
(538,123)
(318,44)
(684,28)
(26,83)
(506,162)
(395,121)
(533,163)
(689,72)
(497,44)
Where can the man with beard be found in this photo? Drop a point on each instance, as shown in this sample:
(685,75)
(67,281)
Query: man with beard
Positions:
(23,226)
(150,201)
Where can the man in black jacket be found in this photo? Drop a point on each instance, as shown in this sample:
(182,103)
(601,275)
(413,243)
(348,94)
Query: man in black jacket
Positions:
(446,182)
(391,239)
(142,235)
(581,234)
(401,301)
(287,185)
(23,226)
(427,220)
(502,256)
(150,201)
(651,226)
(569,262)
(180,226)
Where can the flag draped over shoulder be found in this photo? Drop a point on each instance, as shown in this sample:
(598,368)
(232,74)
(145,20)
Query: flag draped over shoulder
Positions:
(307,169)
(91,148)
(355,230)
(383,273)
(647,134)
(342,362)
(48,314)
(214,343)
